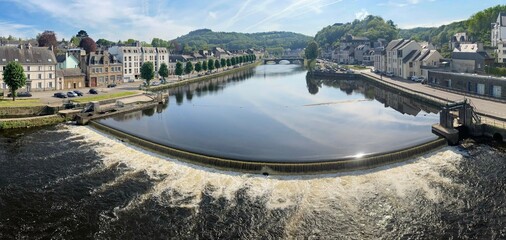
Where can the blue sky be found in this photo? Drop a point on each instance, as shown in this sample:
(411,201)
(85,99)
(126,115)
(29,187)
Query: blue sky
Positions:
(144,19)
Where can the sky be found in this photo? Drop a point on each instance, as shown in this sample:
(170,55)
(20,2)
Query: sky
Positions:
(167,19)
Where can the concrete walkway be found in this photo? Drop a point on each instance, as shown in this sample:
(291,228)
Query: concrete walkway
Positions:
(482,106)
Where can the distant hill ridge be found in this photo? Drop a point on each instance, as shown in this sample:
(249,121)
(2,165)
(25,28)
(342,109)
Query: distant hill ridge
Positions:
(207,39)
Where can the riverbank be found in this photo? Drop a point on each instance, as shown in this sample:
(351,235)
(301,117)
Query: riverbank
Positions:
(204,77)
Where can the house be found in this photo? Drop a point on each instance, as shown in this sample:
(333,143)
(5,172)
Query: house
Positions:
(457,39)
(132,58)
(399,56)
(70,78)
(102,69)
(380,59)
(39,65)
(498,37)
(219,52)
(360,51)
(470,58)
(347,55)
(66,61)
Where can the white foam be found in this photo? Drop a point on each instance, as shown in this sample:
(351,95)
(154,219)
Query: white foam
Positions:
(418,177)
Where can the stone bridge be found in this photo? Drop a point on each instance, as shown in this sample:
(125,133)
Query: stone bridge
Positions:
(292,60)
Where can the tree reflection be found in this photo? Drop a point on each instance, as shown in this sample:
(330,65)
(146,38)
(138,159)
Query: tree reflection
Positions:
(312,87)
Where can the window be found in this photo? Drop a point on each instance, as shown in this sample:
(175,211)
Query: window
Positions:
(39,85)
(40,68)
(28,76)
(129,70)
(129,58)
(50,68)
(40,76)
(28,68)
(125,71)
(50,76)
(50,84)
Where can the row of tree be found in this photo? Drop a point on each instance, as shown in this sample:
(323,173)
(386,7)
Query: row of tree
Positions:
(212,64)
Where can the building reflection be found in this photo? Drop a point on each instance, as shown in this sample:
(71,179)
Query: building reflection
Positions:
(390,99)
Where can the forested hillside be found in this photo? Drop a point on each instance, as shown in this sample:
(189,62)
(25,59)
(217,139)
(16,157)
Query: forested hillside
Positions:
(372,27)
(207,39)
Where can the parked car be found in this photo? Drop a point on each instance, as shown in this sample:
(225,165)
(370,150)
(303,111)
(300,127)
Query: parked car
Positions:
(111,85)
(419,79)
(389,74)
(93,91)
(71,94)
(20,94)
(60,95)
(79,93)
(155,83)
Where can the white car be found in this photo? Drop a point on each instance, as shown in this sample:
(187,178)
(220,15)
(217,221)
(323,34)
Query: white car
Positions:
(417,79)
(389,74)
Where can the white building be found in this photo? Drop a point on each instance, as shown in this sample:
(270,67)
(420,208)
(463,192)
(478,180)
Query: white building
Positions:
(498,37)
(39,65)
(132,58)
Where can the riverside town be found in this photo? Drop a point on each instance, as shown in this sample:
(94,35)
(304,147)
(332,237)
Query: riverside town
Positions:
(253,120)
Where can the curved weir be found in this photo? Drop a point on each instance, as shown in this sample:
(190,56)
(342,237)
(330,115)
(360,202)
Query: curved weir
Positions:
(274,120)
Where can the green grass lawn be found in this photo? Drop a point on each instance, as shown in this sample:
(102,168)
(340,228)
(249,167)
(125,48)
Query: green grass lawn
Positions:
(103,97)
(355,67)
(7,102)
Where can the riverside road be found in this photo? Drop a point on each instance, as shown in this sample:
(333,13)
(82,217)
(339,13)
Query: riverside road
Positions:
(485,107)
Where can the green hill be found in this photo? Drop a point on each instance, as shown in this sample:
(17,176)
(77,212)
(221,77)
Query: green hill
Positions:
(477,27)
(372,27)
(207,39)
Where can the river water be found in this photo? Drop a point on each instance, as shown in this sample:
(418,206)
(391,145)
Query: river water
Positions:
(73,182)
(274,113)
(70,182)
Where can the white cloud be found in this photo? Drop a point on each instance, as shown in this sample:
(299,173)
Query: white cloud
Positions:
(361,14)
(212,15)
(18,30)
(112,19)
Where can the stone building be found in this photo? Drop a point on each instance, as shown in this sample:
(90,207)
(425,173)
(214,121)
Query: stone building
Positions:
(39,65)
(102,69)
(70,78)
(132,58)
(469,83)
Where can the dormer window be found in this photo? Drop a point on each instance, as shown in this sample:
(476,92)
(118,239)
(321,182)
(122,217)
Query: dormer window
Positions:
(49,60)
(16,59)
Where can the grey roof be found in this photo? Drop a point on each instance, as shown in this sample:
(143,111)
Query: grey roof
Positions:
(72,72)
(394,44)
(61,58)
(98,57)
(470,55)
(24,55)
(410,56)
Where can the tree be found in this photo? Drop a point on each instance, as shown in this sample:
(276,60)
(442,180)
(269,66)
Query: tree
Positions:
(163,71)
(232,61)
(204,65)
(217,64)
(82,34)
(148,71)
(229,63)
(198,67)
(188,68)
(14,77)
(179,68)
(47,39)
(88,44)
(104,42)
(311,53)
(223,62)
(75,41)
(210,65)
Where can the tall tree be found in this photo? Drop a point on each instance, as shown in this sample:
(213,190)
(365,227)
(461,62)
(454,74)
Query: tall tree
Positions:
(311,53)
(204,65)
(148,71)
(179,68)
(210,65)
(233,61)
(223,62)
(47,39)
(104,42)
(88,44)
(82,34)
(217,64)
(163,71)
(75,41)
(229,63)
(14,77)
(188,68)
(198,67)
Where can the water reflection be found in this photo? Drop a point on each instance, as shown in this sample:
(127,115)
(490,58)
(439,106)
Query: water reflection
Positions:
(402,104)
(249,117)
